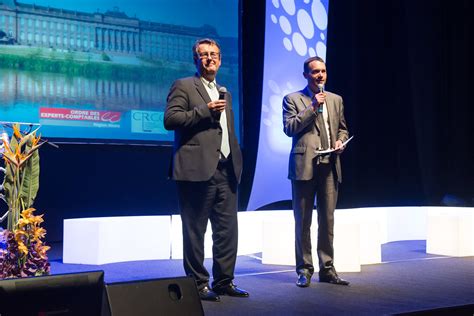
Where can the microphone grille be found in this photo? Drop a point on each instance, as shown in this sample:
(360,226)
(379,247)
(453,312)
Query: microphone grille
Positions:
(321,87)
(222,90)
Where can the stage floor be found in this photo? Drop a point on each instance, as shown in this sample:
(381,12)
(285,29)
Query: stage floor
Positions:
(407,280)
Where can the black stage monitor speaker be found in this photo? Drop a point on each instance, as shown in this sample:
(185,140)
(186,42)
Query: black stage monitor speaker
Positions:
(172,296)
(61,294)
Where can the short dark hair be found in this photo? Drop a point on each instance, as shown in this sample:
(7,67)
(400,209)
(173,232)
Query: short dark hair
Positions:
(209,41)
(310,60)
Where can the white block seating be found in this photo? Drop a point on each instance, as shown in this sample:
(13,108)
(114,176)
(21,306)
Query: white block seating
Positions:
(450,231)
(278,244)
(250,232)
(104,240)
(358,235)
(346,244)
(250,235)
(177,239)
(371,231)
(279,240)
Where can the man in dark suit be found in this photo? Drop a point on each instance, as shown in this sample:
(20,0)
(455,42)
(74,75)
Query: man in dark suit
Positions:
(314,118)
(207,165)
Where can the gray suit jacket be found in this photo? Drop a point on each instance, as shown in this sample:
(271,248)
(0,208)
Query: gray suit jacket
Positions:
(198,133)
(299,122)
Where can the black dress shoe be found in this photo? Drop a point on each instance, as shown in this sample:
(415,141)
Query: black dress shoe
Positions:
(333,279)
(207,294)
(303,280)
(230,290)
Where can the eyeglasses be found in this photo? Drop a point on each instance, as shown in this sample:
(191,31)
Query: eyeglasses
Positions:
(211,55)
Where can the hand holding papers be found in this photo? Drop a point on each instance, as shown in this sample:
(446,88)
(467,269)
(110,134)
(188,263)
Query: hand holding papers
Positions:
(327,151)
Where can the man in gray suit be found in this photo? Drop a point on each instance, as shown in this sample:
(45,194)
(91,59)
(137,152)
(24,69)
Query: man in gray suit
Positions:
(314,118)
(207,165)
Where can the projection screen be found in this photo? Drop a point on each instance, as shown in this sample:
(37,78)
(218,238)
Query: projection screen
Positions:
(100,70)
(294,31)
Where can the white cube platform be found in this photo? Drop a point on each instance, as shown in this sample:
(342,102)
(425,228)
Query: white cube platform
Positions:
(279,240)
(359,234)
(250,235)
(450,232)
(104,240)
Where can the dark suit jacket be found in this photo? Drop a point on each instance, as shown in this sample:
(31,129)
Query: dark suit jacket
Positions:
(299,122)
(198,133)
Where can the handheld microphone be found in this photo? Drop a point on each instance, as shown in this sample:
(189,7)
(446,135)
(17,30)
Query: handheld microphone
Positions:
(222,92)
(321,87)
(321,90)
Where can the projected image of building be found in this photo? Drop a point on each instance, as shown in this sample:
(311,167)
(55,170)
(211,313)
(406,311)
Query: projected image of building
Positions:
(108,61)
(110,32)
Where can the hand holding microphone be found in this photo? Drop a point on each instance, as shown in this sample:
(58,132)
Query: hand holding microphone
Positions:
(319,99)
(219,105)
(222,92)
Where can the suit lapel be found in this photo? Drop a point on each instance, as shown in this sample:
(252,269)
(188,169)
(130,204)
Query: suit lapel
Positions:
(205,96)
(331,108)
(305,99)
(201,90)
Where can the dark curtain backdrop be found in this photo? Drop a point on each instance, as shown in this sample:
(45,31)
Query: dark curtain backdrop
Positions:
(404,69)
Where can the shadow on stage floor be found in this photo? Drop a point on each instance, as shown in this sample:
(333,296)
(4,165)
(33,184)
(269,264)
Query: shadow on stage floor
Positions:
(407,280)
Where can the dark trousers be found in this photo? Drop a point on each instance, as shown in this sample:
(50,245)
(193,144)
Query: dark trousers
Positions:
(324,186)
(214,200)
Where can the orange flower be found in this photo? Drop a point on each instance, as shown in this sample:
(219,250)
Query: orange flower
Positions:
(18,154)
(36,220)
(22,222)
(22,248)
(41,251)
(36,140)
(8,155)
(38,233)
(16,131)
(27,213)
(19,234)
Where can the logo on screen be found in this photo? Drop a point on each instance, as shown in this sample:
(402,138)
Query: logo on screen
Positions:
(150,122)
(79,118)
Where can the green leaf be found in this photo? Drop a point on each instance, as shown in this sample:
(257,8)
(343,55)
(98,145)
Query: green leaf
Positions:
(8,182)
(30,177)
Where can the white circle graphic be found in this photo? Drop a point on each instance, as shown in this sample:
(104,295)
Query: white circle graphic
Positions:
(276,4)
(323,37)
(287,44)
(289,6)
(305,23)
(320,16)
(276,119)
(311,52)
(274,18)
(275,103)
(321,49)
(274,86)
(285,25)
(300,44)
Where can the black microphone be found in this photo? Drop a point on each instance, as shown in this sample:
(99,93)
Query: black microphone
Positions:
(222,92)
(321,90)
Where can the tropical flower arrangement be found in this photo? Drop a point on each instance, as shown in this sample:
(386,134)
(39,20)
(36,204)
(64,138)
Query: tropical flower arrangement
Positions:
(22,250)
